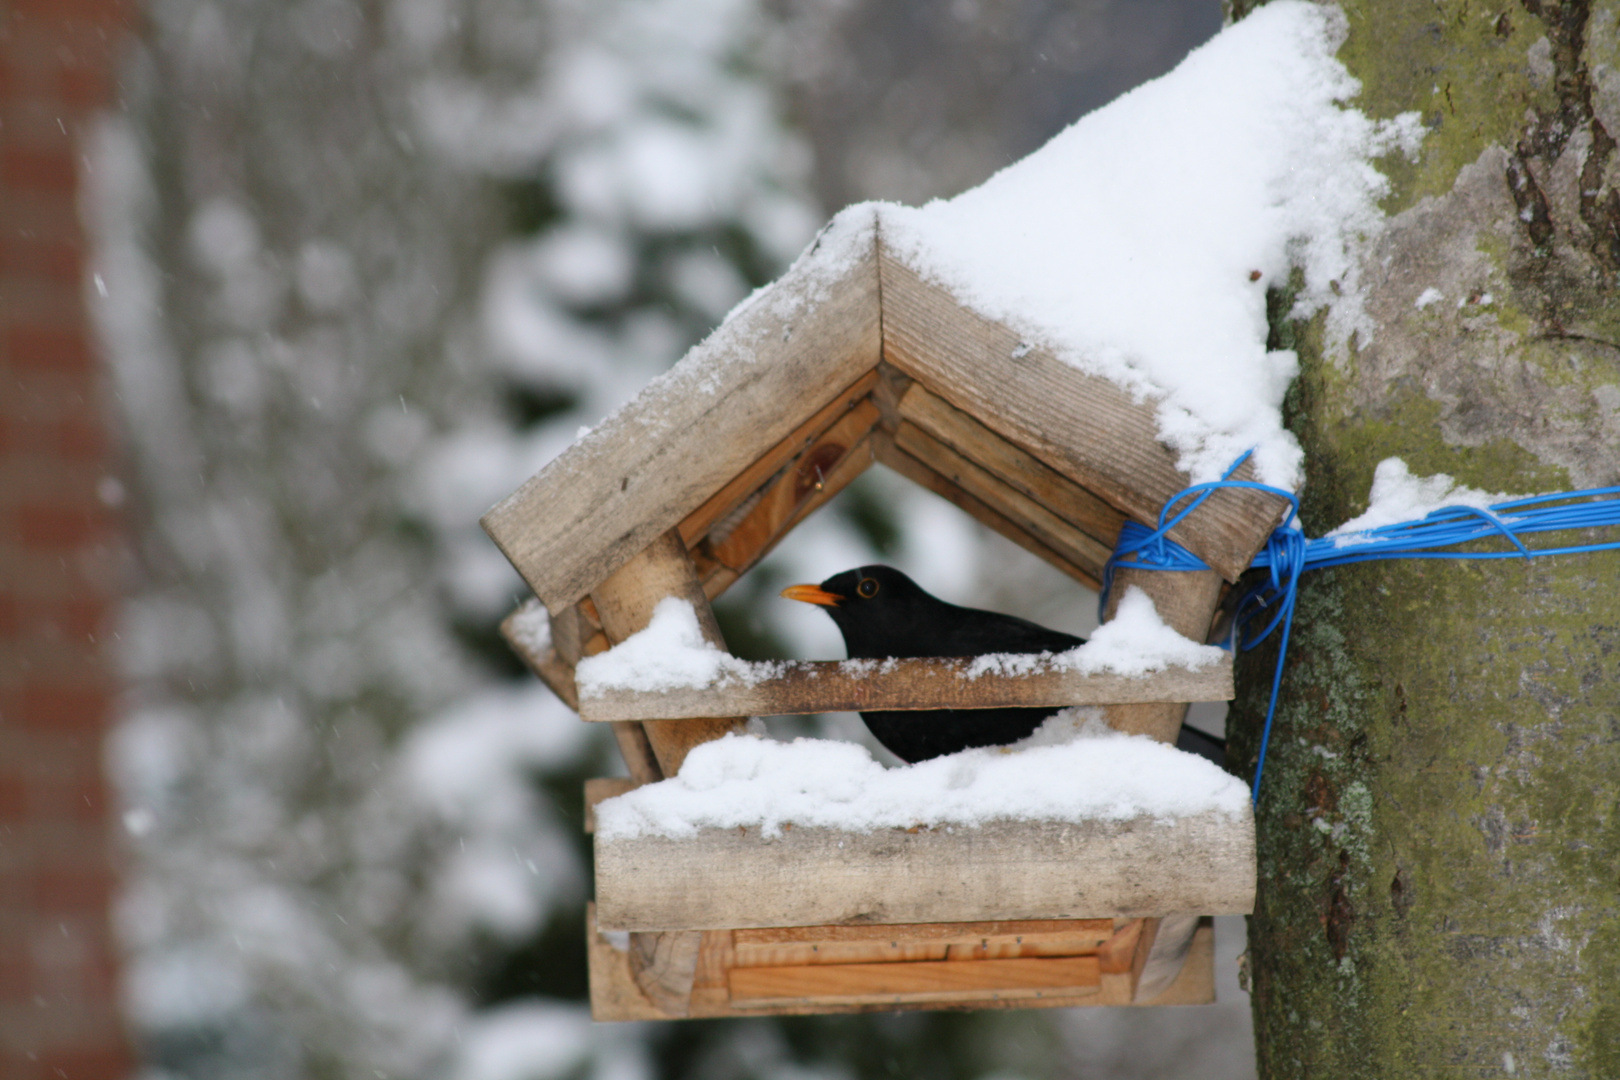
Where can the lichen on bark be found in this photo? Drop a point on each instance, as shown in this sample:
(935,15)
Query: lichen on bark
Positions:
(1440,825)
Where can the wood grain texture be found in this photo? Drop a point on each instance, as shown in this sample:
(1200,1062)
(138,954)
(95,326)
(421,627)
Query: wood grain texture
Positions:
(903,463)
(736,878)
(797,945)
(1082,426)
(615,996)
(921,983)
(1186,601)
(1022,471)
(801,687)
(603,787)
(625,603)
(1075,545)
(774,364)
(549,663)
(697,524)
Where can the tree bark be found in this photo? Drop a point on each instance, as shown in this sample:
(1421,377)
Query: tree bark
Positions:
(1439,831)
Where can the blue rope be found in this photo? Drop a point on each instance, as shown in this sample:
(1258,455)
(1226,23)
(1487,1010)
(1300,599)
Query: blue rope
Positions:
(1288,553)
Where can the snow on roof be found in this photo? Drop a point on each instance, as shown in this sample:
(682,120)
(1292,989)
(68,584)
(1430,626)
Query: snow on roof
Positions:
(744,780)
(1139,243)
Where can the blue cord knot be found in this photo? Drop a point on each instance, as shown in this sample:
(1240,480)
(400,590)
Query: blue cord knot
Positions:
(1288,553)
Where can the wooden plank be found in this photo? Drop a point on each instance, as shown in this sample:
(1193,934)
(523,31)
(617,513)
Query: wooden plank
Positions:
(1080,548)
(697,524)
(527,630)
(603,787)
(800,687)
(616,997)
(736,878)
(790,946)
(912,469)
(810,480)
(947,980)
(780,358)
(1082,426)
(1018,468)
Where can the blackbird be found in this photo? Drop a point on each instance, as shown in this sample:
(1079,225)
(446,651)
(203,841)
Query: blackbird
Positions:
(882,613)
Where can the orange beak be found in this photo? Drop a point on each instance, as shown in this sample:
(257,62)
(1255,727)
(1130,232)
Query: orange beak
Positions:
(812,594)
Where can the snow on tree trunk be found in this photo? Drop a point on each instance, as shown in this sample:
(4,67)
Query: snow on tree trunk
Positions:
(1440,824)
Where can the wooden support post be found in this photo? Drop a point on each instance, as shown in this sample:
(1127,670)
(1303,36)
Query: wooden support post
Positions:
(625,602)
(664,964)
(1186,602)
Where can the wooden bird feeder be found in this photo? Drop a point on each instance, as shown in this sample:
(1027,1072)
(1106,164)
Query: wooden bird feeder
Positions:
(855,357)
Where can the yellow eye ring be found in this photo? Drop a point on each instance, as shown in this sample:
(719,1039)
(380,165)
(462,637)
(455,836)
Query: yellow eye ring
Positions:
(868,587)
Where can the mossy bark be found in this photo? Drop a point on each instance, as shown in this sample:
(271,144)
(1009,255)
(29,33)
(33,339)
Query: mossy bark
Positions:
(1440,823)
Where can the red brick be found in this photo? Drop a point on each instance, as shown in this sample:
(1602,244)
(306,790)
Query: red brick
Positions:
(32,170)
(70,13)
(82,438)
(43,707)
(84,88)
(47,526)
(53,257)
(48,347)
(60,889)
(110,1062)
(13,797)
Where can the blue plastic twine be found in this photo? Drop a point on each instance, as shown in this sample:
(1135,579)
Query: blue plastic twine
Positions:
(1288,553)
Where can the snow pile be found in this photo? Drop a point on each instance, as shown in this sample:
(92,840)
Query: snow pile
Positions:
(1399,496)
(1134,642)
(743,781)
(1138,244)
(669,653)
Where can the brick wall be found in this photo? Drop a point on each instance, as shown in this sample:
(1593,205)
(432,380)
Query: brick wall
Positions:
(58,995)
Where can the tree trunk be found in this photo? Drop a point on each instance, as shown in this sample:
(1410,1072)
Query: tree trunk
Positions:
(1439,828)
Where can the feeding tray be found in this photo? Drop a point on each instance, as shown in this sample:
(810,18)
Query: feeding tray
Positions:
(856,357)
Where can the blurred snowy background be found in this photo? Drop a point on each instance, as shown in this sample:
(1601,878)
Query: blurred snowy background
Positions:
(362,267)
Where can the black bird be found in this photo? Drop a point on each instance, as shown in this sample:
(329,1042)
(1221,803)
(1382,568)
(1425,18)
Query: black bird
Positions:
(882,613)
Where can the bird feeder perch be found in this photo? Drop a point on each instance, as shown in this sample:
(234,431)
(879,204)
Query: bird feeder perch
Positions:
(857,357)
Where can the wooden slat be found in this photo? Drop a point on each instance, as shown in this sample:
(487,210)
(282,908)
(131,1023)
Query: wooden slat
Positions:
(790,496)
(1080,548)
(800,687)
(603,787)
(1082,426)
(1018,468)
(538,652)
(849,984)
(903,463)
(615,996)
(697,524)
(789,946)
(777,361)
(735,878)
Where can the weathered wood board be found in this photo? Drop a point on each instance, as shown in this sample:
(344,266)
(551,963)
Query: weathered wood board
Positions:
(734,398)
(1082,426)
(737,878)
(615,996)
(801,687)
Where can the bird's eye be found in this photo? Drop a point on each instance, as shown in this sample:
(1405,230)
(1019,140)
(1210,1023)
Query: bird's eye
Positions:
(867,588)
